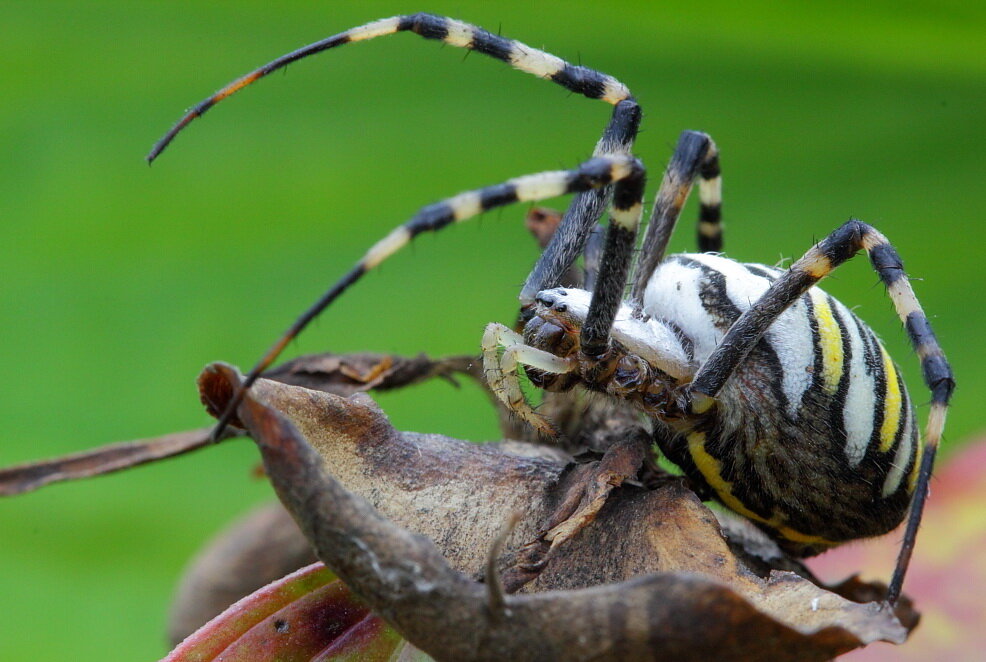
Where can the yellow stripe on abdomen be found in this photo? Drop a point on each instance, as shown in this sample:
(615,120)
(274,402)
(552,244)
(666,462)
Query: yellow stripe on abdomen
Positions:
(892,403)
(829,340)
(711,470)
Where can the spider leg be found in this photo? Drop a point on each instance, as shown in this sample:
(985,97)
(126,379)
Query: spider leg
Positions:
(579,230)
(817,263)
(710,204)
(586,208)
(695,156)
(501,372)
(614,266)
(593,255)
(544,222)
(578,79)
(626,171)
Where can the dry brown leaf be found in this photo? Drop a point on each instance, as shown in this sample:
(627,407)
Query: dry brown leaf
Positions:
(105,459)
(662,581)
(343,374)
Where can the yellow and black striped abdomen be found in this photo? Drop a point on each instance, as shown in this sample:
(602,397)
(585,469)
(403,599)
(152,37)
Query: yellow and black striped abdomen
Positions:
(813,437)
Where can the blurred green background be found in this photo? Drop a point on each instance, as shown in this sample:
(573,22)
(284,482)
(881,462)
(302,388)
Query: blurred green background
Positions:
(119,282)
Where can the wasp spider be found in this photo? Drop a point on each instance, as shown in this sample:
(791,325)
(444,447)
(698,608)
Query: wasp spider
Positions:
(774,398)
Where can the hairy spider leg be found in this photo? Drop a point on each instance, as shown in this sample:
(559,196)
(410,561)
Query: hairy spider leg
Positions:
(614,266)
(627,172)
(618,137)
(817,263)
(695,156)
(592,255)
(575,78)
(581,217)
(594,335)
(710,203)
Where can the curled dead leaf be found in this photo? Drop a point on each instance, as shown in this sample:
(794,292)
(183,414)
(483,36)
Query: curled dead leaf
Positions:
(652,577)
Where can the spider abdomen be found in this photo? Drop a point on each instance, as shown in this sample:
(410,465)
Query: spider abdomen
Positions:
(813,436)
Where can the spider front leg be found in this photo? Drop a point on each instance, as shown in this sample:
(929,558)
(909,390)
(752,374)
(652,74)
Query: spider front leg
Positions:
(592,192)
(695,157)
(585,209)
(617,139)
(749,328)
(502,376)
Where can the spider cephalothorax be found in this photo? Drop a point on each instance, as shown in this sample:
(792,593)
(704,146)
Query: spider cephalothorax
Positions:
(773,397)
(646,361)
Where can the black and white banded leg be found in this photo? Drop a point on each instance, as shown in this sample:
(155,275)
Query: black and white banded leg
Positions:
(618,137)
(710,203)
(817,263)
(594,335)
(695,156)
(578,79)
(585,209)
(626,172)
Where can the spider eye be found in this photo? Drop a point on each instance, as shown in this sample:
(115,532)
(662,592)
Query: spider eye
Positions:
(561,307)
